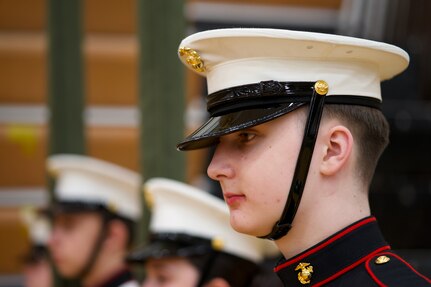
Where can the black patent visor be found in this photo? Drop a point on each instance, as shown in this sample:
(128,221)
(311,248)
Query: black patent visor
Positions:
(62,207)
(246,106)
(164,245)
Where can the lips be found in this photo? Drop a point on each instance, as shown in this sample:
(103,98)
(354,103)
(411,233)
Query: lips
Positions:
(233,199)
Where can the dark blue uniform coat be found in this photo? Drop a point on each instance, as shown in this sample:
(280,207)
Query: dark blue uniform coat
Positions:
(355,256)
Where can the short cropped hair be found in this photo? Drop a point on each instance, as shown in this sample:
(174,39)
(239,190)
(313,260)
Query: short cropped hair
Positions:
(129,224)
(369,128)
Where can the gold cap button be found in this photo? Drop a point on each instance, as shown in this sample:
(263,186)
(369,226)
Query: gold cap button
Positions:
(321,87)
(382,259)
(149,199)
(217,243)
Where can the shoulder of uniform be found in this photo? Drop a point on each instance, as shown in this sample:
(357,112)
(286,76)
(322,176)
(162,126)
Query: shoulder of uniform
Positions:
(389,269)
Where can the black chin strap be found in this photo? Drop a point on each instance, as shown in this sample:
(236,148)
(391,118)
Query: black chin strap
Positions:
(282,226)
(207,268)
(97,246)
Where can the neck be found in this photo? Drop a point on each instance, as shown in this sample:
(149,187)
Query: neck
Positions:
(320,216)
(104,268)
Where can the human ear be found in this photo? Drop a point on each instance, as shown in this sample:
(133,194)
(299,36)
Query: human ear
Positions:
(217,282)
(117,232)
(337,148)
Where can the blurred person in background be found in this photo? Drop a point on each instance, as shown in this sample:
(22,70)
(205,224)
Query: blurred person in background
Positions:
(37,268)
(95,209)
(192,244)
(298,132)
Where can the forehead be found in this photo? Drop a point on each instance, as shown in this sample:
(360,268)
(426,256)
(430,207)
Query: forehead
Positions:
(63,217)
(168,262)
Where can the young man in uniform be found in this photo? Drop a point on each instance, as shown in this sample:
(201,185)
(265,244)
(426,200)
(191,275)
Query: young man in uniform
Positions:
(192,243)
(298,132)
(96,206)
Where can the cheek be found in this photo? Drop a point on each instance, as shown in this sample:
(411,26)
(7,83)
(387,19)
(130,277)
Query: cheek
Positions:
(78,244)
(183,275)
(270,176)
(189,279)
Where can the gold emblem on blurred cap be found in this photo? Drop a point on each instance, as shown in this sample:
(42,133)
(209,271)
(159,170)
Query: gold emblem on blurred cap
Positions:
(112,207)
(382,259)
(321,87)
(217,243)
(304,275)
(149,199)
(192,58)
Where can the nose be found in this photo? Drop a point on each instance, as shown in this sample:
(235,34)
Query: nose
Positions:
(221,165)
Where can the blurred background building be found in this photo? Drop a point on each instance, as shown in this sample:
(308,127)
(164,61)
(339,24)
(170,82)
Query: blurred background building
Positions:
(116,104)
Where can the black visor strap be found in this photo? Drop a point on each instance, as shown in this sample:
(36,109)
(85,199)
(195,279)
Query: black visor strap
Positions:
(95,251)
(205,270)
(282,226)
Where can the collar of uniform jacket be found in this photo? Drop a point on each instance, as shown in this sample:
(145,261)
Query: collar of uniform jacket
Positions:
(123,278)
(334,256)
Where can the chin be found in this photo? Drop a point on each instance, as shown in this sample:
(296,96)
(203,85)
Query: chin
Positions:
(66,271)
(251,227)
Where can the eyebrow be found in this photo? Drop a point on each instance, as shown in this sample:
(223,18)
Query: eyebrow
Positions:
(158,265)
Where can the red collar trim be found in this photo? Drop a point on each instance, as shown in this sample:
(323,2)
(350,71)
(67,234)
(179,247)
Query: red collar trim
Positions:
(325,243)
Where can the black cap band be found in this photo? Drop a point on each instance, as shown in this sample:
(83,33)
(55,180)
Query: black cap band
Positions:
(273,93)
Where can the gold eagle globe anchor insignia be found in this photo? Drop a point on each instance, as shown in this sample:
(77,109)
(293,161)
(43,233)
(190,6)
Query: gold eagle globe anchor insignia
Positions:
(192,58)
(304,276)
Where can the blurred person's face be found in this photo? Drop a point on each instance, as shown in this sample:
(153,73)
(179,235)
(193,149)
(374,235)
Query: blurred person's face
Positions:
(170,272)
(38,274)
(73,238)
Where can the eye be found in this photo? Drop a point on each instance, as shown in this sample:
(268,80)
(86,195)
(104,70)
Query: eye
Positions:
(66,224)
(246,136)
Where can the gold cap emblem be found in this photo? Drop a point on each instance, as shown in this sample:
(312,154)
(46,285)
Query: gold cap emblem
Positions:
(149,199)
(321,87)
(192,58)
(217,243)
(382,259)
(304,276)
(112,207)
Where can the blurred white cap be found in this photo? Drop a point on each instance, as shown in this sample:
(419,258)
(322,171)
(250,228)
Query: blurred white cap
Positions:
(86,180)
(183,209)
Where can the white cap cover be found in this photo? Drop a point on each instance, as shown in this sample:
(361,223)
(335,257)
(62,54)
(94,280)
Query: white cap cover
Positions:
(235,57)
(93,181)
(181,208)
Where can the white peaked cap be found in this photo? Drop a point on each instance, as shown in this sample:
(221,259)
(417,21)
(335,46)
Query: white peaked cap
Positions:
(235,57)
(38,226)
(181,208)
(93,181)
